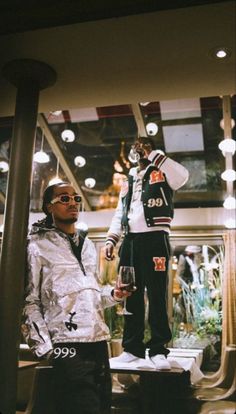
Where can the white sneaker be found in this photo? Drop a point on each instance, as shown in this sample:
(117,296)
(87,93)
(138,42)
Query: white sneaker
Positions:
(125,357)
(161,362)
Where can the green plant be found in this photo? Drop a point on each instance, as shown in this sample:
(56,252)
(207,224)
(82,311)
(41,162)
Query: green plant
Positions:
(198,311)
(114,321)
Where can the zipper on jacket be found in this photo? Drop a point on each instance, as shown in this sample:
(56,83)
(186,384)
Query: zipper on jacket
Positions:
(82,267)
(164,196)
(76,250)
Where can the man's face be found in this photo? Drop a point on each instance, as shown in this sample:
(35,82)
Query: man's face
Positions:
(64,212)
(143,148)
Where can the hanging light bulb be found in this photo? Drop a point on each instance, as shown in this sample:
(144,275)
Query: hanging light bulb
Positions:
(227,145)
(56,179)
(4,166)
(230,203)
(228,175)
(68,135)
(40,156)
(81,225)
(90,182)
(152,128)
(79,161)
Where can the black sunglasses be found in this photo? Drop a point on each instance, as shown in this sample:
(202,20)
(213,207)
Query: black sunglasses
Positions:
(65,199)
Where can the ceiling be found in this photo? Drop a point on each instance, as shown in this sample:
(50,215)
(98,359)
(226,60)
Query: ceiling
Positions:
(20,16)
(144,57)
(108,60)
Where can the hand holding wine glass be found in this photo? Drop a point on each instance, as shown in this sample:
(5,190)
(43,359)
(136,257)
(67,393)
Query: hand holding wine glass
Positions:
(126,282)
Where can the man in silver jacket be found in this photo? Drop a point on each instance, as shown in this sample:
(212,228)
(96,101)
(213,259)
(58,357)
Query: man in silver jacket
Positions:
(63,313)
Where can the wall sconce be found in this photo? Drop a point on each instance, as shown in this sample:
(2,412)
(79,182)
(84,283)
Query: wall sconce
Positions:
(230,203)
(230,223)
(222,123)
(4,165)
(227,145)
(228,175)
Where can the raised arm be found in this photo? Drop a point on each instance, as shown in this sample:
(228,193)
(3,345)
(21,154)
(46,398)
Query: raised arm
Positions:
(176,174)
(115,230)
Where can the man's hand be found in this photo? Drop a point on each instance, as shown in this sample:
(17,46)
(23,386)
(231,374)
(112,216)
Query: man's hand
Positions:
(109,249)
(119,294)
(119,291)
(143,148)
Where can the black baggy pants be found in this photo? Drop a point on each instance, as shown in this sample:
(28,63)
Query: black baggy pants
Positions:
(82,383)
(149,254)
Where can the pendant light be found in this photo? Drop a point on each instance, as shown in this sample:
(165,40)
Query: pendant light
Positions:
(79,161)
(90,182)
(81,224)
(56,179)
(152,128)
(40,156)
(68,135)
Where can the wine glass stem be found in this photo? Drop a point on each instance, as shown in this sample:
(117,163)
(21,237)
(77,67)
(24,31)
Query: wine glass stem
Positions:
(125,310)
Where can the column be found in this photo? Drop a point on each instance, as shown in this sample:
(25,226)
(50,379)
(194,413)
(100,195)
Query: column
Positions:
(29,77)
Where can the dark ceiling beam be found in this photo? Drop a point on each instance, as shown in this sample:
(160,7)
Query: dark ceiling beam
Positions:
(21,16)
(62,161)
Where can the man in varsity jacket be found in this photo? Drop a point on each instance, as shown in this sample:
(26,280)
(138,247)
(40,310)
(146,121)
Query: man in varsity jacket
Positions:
(144,214)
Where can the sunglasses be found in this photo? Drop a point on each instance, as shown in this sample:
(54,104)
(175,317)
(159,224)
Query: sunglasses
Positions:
(65,199)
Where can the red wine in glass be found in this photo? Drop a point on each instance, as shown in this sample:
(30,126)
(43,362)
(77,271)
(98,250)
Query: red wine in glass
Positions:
(126,281)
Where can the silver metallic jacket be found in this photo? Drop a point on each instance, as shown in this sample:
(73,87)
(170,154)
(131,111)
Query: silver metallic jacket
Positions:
(62,304)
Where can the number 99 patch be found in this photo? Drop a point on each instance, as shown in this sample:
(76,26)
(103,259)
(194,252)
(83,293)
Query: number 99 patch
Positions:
(154,202)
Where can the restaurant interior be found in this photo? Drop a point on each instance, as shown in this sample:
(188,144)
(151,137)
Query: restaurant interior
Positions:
(113,73)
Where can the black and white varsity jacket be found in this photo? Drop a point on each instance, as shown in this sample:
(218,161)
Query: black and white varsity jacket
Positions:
(161,178)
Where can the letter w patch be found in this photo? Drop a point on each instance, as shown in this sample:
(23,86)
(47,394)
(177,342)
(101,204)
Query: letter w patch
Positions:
(160,264)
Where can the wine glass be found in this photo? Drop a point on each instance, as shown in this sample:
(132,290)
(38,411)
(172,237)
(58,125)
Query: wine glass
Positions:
(126,281)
